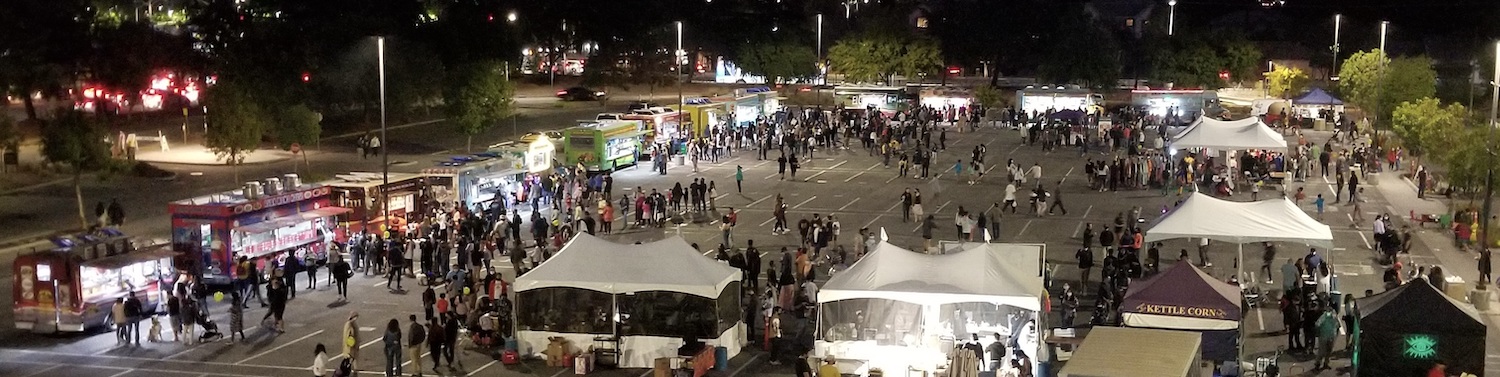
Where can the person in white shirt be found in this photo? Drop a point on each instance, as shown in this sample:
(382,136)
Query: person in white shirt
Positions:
(1036,171)
(1010,197)
(320,361)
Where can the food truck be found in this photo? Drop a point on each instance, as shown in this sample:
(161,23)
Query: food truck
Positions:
(603,146)
(481,178)
(264,220)
(74,286)
(1038,100)
(662,124)
(362,192)
(1187,104)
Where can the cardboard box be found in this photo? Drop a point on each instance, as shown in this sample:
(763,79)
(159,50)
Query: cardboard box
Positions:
(557,350)
(662,367)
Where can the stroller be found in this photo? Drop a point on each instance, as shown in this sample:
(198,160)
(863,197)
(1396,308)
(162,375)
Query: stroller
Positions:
(210,330)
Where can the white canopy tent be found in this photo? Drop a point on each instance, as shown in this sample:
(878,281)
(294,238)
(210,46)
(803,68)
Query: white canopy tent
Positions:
(1248,133)
(981,288)
(1002,274)
(669,265)
(1271,220)
(1203,216)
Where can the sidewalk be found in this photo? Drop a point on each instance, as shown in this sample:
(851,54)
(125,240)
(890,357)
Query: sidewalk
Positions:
(1435,247)
(193,154)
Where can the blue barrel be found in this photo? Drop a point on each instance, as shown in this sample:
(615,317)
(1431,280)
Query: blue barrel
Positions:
(510,344)
(721,359)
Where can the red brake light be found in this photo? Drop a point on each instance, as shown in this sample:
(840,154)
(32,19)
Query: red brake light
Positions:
(562,92)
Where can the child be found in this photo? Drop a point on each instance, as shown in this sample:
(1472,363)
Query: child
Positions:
(1319,202)
(155,334)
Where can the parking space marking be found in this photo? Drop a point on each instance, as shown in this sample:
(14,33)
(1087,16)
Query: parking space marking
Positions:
(752,204)
(283,345)
(809,199)
(482,367)
(851,202)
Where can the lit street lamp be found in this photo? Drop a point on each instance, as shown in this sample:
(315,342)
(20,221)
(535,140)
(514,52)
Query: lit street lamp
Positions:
(1376,126)
(677,62)
(385,150)
(1171,17)
(1333,71)
(1489,177)
(821,79)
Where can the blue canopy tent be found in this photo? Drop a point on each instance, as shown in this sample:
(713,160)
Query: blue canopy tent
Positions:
(1317,96)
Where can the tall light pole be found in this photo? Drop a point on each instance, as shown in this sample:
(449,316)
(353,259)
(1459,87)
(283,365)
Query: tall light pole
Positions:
(510,18)
(1333,71)
(1489,177)
(821,79)
(385,150)
(1171,17)
(1378,83)
(677,61)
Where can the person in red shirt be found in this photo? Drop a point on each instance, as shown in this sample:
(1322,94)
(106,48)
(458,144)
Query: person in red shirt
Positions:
(1438,370)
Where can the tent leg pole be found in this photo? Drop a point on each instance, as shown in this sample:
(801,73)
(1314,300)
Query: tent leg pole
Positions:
(1239,272)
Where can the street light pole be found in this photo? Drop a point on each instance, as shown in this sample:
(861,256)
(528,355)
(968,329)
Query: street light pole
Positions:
(677,56)
(1378,83)
(1171,17)
(1489,177)
(385,150)
(821,79)
(510,18)
(1333,70)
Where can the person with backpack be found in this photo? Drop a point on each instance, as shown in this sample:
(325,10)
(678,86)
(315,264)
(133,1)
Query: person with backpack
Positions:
(416,334)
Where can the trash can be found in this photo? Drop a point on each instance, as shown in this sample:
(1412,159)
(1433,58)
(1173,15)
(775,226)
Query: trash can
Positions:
(721,358)
(1480,298)
(679,159)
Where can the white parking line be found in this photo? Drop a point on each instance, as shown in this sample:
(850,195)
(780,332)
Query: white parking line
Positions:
(752,204)
(872,221)
(851,202)
(1023,228)
(123,372)
(809,199)
(852,177)
(768,221)
(487,365)
(284,345)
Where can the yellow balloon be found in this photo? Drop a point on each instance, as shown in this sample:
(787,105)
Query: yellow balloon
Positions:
(466,291)
(349,341)
(218,296)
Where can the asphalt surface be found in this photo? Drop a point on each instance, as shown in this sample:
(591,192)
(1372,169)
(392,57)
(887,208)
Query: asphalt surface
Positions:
(850,184)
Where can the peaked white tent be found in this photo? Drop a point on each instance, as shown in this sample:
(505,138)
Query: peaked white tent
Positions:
(1203,216)
(897,309)
(627,273)
(1248,133)
(592,263)
(1002,274)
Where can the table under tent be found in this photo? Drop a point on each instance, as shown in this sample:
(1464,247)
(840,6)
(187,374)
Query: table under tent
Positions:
(1129,352)
(900,310)
(1407,330)
(1183,297)
(650,297)
(1270,220)
(1232,137)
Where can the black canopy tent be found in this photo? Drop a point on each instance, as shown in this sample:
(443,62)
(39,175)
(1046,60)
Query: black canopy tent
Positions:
(1186,298)
(1407,330)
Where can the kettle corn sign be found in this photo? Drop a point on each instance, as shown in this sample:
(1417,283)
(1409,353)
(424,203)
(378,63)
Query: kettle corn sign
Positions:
(1181,311)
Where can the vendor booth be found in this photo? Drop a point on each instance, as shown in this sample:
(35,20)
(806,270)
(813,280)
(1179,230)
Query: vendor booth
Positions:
(264,219)
(362,192)
(72,288)
(603,146)
(642,300)
(1243,134)
(1033,100)
(1185,298)
(1128,352)
(662,124)
(1408,329)
(899,310)
(885,99)
(480,179)
(1183,104)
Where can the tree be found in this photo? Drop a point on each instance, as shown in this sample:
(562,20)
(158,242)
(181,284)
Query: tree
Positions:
(41,41)
(876,56)
(1087,56)
(236,124)
(75,140)
(988,96)
(1378,90)
(478,97)
(1189,63)
(778,61)
(296,124)
(1426,126)
(1241,58)
(1287,81)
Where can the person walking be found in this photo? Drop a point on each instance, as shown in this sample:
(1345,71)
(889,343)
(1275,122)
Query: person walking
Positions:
(1085,258)
(341,271)
(435,341)
(277,293)
(122,322)
(416,334)
(352,341)
(392,341)
(236,317)
(450,339)
(133,314)
(1328,331)
(739,178)
(1056,199)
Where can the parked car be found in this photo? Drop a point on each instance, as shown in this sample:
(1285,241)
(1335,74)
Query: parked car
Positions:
(579,93)
(608,116)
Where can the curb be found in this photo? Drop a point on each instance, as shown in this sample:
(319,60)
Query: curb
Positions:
(34,187)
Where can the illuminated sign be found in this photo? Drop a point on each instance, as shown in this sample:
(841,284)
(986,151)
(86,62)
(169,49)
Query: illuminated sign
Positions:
(1420,347)
(539,155)
(1181,311)
(282,199)
(282,242)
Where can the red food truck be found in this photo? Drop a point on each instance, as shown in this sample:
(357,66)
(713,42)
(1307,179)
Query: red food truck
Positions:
(265,220)
(74,286)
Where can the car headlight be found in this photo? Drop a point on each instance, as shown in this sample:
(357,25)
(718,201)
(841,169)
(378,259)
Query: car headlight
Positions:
(601,94)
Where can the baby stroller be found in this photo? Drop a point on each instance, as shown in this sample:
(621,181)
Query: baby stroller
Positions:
(210,331)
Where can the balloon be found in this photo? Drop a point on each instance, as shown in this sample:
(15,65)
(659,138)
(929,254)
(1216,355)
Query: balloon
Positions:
(466,291)
(349,341)
(218,296)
